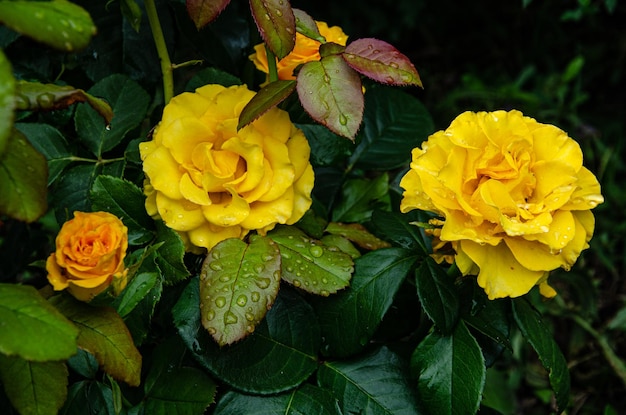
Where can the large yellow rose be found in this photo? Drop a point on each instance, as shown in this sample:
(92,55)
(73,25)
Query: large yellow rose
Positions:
(513,194)
(90,251)
(210,182)
(305,50)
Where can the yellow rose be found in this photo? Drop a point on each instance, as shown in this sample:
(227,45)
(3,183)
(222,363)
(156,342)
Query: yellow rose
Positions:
(513,194)
(210,182)
(90,251)
(305,50)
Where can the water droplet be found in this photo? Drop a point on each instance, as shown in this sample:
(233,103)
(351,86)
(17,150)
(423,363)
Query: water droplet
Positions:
(267,17)
(249,316)
(324,293)
(289,269)
(216,254)
(220,302)
(259,268)
(289,30)
(316,251)
(326,78)
(268,257)
(211,330)
(296,283)
(242,300)
(263,282)
(230,318)
(255,296)
(210,315)
(215,266)
(286,255)
(108,127)
(375,52)
(250,328)
(370,47)
(224,278)
(343,120)
(279,13)
(324,280)
(389,80)
(276,275)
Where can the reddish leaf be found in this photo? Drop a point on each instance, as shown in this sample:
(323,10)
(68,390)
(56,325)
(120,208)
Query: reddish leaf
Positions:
(203,12)
(267,98)
(382,62)
(330,91)
(276,23)
(307,26)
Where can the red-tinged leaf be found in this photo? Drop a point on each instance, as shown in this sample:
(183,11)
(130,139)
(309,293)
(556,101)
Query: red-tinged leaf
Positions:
(307,26)
(203,12)
(381,62)
(330,91)
(267,98)
(276,23)
(104,334)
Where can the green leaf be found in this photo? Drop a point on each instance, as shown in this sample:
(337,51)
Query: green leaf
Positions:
(492,320)
(451,372)
(139,320)
(50,142)
(397,228)
(72,190)
(46,97)
(330,92)
(309,264)
(438,295)
(203,12)
(267,98)
(394,123)
(279,355)
(89,397)
(359,198)
(37,388)
(7,102)
(358,234)
(32,328)
(238,284)
(211,76)
(541,339)
(327,148)
(170,255)
(349,319)
(84,363)
(104,334)
(305,400)
(60,24)
(182,391)
(23,180)
(136,290)
(126,201)
(129,102)
(132,12)
(276,24)
(342,243)
(381,62)
(371,385)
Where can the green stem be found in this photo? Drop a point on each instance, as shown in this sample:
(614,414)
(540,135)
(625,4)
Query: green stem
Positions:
(159,41)
(616,363)
(271,64)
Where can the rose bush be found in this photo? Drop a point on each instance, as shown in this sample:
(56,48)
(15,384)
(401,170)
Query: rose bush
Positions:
(210,182)
(514,196)
(89,256)
(305,50)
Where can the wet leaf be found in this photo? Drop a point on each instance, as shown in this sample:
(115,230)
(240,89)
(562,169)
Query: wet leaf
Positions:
(310,265)
(276,24)
(50,142)
(358,234)
(32,328)
(307,26)
(60,24)
(359,198)
(136,290)
(203,12)
(238,284)
(171,255)
(330,92)
(48,97)
(381,62)
(7,102)
(34,387)
(23,180)
(438,295)
(267,98)
(104,334)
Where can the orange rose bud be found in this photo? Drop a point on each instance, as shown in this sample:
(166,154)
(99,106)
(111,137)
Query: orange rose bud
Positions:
(90,251)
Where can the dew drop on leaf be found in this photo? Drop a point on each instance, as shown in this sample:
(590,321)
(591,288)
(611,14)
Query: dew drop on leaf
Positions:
(316,251)
(230,318)
(242,300)
(220,302)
